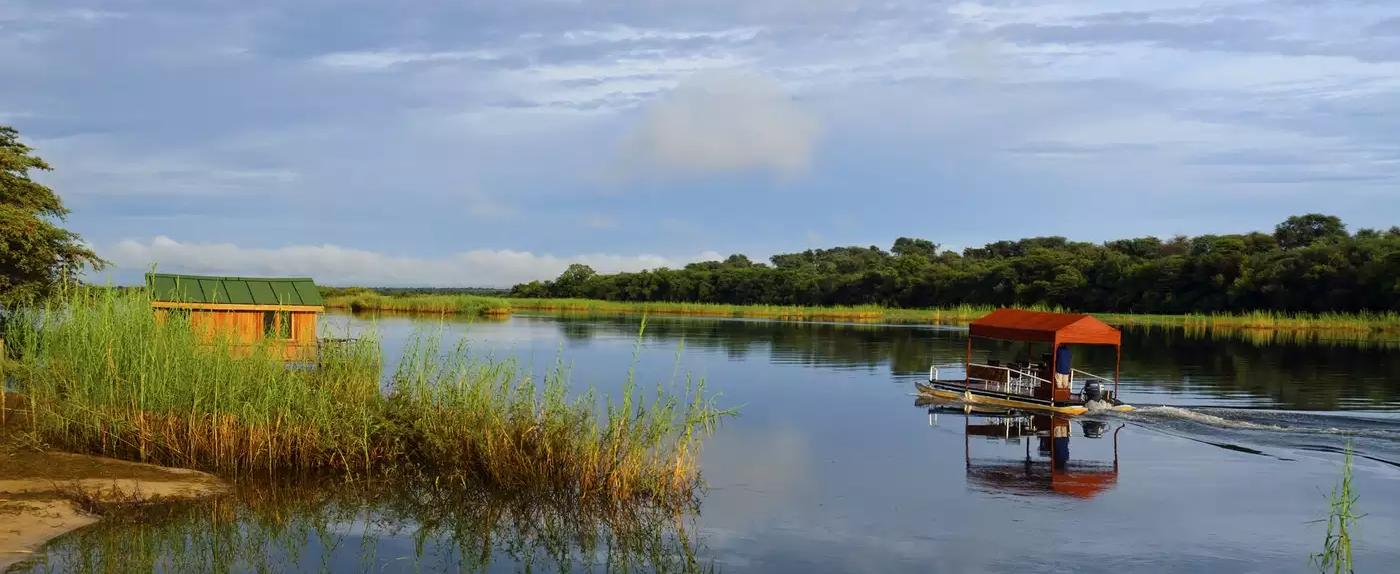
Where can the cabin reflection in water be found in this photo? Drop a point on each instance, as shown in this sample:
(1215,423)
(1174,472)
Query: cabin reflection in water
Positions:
(1045,466)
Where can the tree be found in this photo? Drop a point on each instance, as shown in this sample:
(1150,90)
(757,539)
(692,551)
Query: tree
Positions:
(572,279)
(1304,230)
(913,246)
(35,254)
(1323,269)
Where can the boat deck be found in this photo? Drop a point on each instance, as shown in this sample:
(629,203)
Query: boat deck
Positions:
(1008,390)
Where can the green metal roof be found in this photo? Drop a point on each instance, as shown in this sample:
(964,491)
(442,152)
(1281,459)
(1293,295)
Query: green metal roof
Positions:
(172,288)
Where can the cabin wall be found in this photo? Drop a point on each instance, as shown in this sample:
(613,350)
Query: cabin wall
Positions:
(244,330)
(302,346)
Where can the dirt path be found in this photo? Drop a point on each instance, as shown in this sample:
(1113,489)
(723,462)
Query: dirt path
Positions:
(42,495)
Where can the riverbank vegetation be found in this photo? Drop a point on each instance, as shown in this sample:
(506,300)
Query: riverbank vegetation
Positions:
(464,304)
(101,375)
(1357,324)
(1308,266)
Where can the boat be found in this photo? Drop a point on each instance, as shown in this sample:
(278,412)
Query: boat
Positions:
(1049,384)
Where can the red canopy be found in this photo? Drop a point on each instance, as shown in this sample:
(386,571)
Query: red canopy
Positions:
(1056,328)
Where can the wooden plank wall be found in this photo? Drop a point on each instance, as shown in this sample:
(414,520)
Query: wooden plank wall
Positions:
(302,346)
(245,329)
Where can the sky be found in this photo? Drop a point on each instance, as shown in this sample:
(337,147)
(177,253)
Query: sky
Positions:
(484,144)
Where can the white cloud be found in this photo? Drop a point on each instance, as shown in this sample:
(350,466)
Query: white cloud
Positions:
(621,33)
(718,122)
(372,60)
(335,265)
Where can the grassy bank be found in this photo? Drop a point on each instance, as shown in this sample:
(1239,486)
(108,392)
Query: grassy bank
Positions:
(442,304)
(102,376)
(471,304)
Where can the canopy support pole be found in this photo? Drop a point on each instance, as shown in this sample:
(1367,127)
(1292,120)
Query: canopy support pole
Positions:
(1117,365)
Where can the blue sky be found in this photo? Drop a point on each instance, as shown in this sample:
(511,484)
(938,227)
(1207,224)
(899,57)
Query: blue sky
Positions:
(459,143)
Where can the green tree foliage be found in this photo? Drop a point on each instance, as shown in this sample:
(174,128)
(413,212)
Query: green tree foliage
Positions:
(1310,264)
(1304,230)
(35,254)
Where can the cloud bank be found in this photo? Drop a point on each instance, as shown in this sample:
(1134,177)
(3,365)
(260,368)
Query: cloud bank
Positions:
(336,265)
(723,122)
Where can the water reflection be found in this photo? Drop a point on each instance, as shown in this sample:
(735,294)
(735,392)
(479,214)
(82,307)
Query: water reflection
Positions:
(1045,468)
(345,527)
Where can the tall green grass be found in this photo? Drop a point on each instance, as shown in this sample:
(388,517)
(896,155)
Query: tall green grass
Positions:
(1363,322)
(1336,556)
(438,304)
(500,428)
(101,375)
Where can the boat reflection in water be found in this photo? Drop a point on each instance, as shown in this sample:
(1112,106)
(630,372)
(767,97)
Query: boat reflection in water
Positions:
(1044,467)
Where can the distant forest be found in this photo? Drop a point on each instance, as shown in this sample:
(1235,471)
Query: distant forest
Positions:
(1310,263)
(487,291)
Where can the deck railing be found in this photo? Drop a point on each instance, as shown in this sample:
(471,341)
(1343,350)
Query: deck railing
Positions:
(1092,376)
(1014,381)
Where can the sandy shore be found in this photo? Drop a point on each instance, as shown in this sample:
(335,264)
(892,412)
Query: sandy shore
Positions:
(40,493)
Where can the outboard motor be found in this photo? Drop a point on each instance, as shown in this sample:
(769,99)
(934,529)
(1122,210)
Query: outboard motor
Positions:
(1093,391)
(1093,429)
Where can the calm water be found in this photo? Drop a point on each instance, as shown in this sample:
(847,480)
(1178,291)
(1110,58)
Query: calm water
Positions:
(832,467)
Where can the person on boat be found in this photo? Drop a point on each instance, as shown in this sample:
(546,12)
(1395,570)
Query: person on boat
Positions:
(1063,360)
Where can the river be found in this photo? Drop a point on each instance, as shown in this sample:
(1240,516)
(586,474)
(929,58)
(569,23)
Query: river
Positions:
(830,466)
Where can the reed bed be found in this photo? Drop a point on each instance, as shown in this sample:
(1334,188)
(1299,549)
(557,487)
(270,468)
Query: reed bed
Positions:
(1358,323)
(485,420)
(101,375)
(439,304)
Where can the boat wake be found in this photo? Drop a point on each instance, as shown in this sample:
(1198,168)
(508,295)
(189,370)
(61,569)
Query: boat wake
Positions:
(1293,422)
(1205,418)
(1371,436)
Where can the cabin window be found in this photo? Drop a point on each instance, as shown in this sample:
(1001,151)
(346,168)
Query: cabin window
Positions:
(277,324)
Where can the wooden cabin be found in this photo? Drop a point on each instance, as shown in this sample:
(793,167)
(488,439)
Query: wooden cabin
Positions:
(246,310)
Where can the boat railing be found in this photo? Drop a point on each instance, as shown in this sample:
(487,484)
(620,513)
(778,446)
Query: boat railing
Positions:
(1014,381)
(1092,376)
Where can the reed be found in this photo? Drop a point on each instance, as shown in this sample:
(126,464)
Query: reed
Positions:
(439,304)
(493,424)
(1363,322)
(101,375)
(1336,556)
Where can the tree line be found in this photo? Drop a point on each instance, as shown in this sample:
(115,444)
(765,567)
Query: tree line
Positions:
(1310,263)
